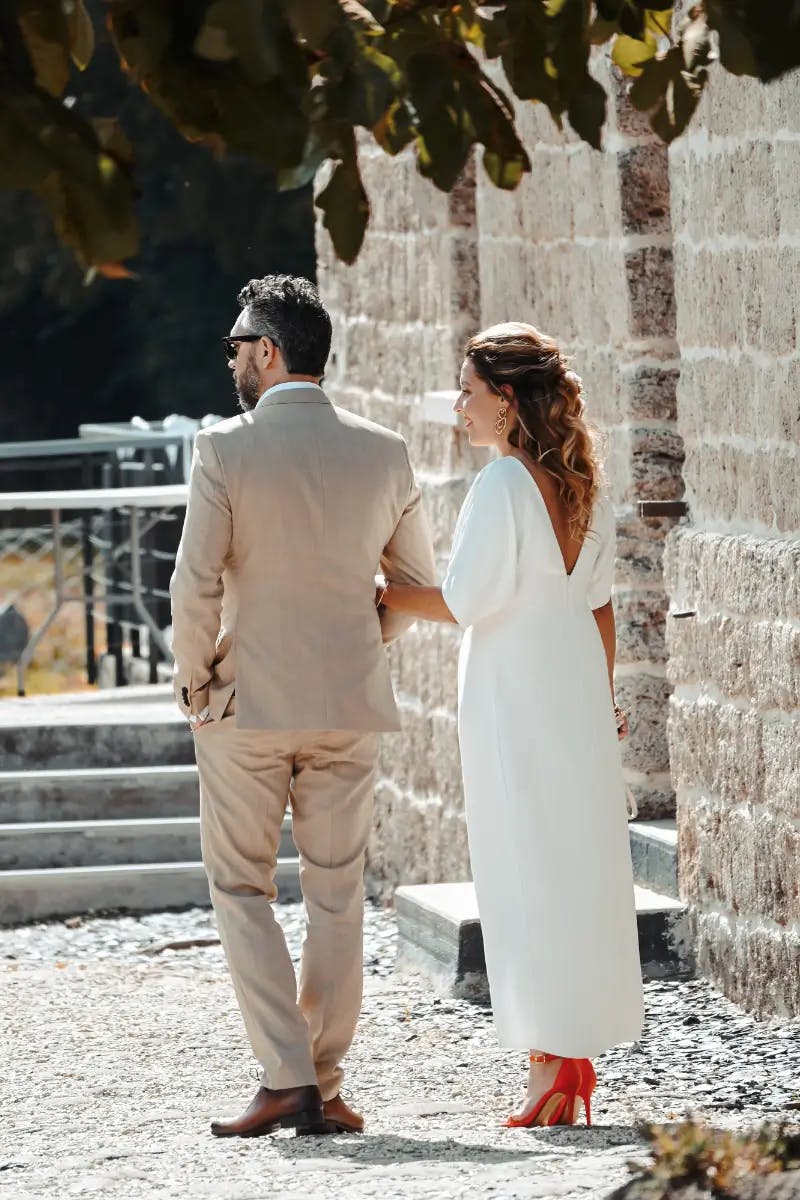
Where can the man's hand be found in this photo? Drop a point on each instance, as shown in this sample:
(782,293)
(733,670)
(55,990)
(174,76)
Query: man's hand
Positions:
(198,720)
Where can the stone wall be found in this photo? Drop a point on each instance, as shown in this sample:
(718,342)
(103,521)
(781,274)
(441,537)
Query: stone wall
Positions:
(670,279)
(583,250)
(401,316)
(735,665)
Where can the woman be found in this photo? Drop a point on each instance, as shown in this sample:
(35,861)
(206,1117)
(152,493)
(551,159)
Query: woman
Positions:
(530,579)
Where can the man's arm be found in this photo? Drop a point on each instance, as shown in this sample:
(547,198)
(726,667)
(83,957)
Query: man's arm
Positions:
(407,558)
(196,584)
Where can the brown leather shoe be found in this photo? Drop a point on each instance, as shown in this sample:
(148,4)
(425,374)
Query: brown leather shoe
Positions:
(297,1108)
(340,1118)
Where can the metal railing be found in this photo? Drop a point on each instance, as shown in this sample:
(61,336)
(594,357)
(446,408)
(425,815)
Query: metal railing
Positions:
(107,542)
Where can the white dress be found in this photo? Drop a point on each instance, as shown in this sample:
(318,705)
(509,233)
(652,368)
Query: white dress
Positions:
(543,784)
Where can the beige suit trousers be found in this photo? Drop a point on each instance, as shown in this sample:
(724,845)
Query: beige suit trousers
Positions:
(299,1036)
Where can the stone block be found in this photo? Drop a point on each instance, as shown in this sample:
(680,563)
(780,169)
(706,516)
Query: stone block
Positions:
(749,207)
(716,749)
(742,573)
(649,274)
(755,964)
(657,457)
(755,661)
(409,359)
(640,549)
(640,625)
(655,799)
(644,697)
(590,177)
(774,264)
(623,117)
(462,201)
(787,180)
(650,391)
(644,189)
(603,393)
(743,859)
(414,840)
(781,790)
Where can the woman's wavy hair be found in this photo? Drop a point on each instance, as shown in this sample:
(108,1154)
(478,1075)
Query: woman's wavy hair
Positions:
(548,404)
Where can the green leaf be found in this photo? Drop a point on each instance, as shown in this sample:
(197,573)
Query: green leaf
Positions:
(52,151)
(601,30)
(345,209)
(586,112)
(369,86)
(446,131)
(671,86)
(736,50)
(81,33)
(504,173)
(314,156)
(142,33)
(521,40)
(395,130)
(626,15)
(314,20)
(44,28)
(757,37)
(651,85)
(631,54)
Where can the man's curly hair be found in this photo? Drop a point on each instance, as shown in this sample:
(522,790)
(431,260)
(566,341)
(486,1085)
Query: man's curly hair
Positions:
(287,309)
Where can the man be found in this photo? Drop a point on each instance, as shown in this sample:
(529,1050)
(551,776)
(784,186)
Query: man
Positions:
(280,669)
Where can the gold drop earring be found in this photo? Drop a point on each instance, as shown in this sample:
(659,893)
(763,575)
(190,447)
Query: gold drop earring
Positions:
(501,422)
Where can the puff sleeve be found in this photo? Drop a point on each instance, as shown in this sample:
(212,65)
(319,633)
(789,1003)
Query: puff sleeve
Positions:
(482,572)
(602,576)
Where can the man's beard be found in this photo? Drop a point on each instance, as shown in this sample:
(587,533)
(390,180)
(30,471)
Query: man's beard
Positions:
(249,390)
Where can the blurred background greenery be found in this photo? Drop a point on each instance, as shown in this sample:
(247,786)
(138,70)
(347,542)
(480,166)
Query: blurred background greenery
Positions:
(111,349)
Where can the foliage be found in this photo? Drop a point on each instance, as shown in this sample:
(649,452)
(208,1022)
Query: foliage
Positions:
(693,1153)
(290,83)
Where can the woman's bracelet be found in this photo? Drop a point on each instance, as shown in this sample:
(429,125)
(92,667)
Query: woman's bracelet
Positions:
(383,594)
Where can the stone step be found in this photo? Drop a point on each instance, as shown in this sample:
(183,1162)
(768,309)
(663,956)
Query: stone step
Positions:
(142,887)
(654,850)
(440,936)
(76,794)
(125,727)
(48,844)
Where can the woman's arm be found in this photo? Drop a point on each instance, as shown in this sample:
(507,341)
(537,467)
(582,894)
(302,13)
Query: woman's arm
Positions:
(608,633)
(604,617)
(425,602)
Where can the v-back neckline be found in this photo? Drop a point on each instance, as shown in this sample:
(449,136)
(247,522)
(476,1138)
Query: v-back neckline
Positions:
(551,526)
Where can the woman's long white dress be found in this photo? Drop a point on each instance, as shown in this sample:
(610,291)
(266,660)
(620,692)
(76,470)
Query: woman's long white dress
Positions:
(544,791)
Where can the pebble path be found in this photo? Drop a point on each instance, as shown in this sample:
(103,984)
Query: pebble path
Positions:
(117,1052)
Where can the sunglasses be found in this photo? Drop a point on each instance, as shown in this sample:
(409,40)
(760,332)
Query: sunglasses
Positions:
(231,344)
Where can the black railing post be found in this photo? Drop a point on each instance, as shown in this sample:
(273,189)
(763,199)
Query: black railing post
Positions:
(88,579)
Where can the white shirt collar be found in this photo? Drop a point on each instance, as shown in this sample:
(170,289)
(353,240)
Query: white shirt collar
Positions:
(284,387)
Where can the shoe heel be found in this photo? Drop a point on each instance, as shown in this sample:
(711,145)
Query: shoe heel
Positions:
(587,1105)
(309,1121)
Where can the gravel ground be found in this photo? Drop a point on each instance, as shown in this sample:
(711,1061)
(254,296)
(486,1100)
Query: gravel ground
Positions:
(119,1051)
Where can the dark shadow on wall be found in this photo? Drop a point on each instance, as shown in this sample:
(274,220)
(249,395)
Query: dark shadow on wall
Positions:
(71,353)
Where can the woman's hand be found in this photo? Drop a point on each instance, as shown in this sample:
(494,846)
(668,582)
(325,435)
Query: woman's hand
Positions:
(621,718)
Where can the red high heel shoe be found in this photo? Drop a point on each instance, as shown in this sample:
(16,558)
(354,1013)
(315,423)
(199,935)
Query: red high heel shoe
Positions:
(558,1101)
(588,1081)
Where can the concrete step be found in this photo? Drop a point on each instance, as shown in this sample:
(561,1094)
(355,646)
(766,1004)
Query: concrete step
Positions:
(143,887)
(94,729)
(654,850)
(76,794)
(48,844)
(440,936)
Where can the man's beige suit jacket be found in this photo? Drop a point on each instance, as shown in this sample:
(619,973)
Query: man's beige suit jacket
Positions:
(292,507)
